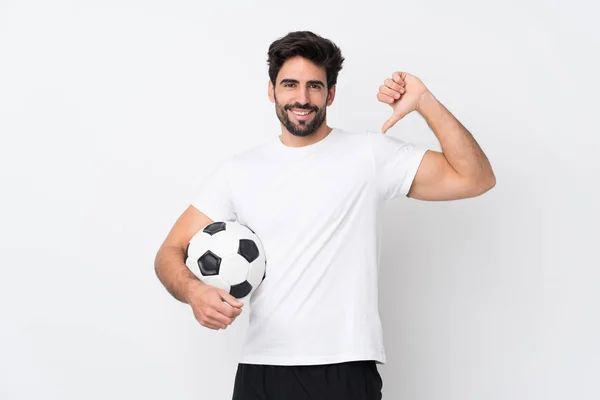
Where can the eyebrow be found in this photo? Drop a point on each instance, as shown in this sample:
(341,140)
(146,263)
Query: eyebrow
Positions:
(311,82)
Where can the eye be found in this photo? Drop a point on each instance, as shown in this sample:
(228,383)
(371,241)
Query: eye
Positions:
(288,84)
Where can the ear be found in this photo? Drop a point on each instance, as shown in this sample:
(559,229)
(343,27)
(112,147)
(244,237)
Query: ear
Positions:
(331,95)
(271,92)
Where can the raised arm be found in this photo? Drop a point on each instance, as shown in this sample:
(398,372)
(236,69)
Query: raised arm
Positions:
(462,169)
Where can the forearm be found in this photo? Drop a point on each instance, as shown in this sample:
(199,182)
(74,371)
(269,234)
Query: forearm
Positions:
(171,270)
(458,145)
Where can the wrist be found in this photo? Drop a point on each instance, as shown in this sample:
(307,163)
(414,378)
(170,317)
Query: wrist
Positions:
(191,287)
(426,100)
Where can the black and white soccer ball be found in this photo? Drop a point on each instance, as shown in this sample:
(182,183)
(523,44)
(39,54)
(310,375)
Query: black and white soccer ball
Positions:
(227,255)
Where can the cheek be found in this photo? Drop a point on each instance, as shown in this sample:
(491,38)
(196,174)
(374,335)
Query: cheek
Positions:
(282,100)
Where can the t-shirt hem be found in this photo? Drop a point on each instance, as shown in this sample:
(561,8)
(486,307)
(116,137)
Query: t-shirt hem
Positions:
(379,358)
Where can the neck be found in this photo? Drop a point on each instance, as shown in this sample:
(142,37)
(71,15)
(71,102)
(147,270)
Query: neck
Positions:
(298,141)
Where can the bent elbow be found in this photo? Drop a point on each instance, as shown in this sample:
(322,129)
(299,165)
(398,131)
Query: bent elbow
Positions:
(487,185)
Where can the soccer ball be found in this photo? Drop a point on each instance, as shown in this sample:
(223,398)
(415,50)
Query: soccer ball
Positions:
(227,255)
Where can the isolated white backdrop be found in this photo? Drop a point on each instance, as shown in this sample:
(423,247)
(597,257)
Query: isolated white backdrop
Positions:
(111,112)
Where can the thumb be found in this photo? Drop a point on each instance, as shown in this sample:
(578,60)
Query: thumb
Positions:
(390,122)
(229,299)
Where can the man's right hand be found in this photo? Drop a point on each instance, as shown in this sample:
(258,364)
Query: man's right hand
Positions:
(214,308)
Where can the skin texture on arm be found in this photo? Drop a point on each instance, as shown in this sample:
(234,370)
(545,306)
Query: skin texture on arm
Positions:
(462,170)
(169,263)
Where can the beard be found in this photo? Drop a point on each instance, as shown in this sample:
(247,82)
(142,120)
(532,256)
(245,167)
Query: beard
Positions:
(301,128)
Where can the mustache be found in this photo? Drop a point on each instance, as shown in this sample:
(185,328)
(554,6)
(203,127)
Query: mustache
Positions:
(301,107)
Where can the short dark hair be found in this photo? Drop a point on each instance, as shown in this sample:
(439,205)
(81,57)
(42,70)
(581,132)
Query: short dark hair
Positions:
(323,52)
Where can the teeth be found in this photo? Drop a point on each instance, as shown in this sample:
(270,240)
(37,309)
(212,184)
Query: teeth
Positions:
(301,113)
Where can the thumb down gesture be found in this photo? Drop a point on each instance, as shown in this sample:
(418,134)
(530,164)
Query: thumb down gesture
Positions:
(403,93)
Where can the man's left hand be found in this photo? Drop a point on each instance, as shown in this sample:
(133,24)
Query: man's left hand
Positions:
(403,93)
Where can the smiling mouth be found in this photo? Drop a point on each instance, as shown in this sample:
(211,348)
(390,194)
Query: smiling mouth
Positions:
(301,114)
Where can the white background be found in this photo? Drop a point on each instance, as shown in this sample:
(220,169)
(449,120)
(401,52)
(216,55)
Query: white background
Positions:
(111,112)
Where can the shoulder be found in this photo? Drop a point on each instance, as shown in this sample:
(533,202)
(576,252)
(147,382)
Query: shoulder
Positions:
(370,137)
(357,137)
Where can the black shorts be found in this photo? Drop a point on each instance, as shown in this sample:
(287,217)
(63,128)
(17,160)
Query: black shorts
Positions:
(354,380)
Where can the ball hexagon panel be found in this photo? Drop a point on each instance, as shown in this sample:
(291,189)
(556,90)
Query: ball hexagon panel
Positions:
(224,243)
(198,245)
(217,282)
(235,269)
(240,231)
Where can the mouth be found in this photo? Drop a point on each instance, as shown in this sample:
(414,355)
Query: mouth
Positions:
(301,114)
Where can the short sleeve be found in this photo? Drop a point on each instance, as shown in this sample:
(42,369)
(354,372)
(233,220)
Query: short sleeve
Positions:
(213,195)
(396,164)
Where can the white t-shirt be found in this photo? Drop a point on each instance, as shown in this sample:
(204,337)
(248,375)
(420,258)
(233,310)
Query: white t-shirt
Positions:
(315,210)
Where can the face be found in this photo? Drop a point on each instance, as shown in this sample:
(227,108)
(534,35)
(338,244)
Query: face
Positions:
(301,96)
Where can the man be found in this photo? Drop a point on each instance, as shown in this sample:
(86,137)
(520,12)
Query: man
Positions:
(312,196)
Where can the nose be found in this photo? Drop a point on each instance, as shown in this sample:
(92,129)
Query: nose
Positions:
(303,96)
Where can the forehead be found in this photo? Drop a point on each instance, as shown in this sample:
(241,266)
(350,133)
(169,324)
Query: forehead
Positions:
(301,69)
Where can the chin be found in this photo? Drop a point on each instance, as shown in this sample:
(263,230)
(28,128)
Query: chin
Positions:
(301,134)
